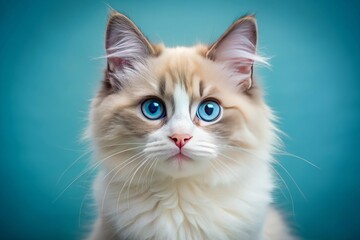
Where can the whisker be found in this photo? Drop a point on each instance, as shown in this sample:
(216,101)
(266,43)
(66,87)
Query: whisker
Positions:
(156,149)
(156,143)
(122,144)
(125,184)
(226,167)
(149,162)
(287,187)
(295,156)
(90,168)
(292,201)
(243,150)
(126,162)
(291,177)
(71,165)
(120,166)
(277,152)
(132,178)
(152,175)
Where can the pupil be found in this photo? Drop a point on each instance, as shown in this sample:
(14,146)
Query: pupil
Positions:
(153,107)
(209,108)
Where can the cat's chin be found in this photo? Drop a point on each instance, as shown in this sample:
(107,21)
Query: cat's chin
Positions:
(181,166)
(180,159)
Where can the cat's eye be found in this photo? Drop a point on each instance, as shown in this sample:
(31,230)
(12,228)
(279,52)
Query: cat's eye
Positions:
(209,111)
(153,109)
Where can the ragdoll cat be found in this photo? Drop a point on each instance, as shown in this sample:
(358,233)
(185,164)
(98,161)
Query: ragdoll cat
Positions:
(184,140)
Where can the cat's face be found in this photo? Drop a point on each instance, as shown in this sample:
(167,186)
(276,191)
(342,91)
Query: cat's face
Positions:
(180,112)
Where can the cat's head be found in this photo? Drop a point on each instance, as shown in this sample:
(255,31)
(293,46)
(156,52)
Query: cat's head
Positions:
(181,112)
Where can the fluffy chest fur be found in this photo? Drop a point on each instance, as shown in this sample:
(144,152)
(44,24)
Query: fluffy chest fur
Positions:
(183,209)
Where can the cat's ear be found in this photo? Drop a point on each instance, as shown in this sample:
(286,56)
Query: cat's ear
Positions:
(125,43)
(236,48)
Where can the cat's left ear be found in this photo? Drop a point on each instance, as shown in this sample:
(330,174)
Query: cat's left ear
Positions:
(236,48)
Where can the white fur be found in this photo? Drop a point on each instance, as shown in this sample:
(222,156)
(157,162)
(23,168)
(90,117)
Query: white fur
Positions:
(199,147)
(180,209)
(144,192)
(188,200)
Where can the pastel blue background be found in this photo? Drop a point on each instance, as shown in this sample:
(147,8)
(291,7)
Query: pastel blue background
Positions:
(48,74)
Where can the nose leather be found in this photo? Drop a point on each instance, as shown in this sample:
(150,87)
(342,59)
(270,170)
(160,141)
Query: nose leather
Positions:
(180,139)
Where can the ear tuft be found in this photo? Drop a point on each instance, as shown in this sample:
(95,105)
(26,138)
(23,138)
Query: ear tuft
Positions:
(236,48)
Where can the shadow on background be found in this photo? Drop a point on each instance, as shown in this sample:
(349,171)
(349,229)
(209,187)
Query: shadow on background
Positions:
(48,74)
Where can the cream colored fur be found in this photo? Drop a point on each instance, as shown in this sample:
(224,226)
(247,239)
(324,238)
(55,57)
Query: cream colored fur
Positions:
(142,191)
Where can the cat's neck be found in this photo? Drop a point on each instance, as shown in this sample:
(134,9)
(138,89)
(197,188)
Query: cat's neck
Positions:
(197,186)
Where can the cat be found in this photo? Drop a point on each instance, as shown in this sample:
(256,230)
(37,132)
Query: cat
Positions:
(184,140)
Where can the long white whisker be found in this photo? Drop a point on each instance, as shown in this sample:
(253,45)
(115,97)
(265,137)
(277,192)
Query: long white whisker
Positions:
(287,187)
(90,168)
(126,162)
(118,169)
(297,186)
(132,178)
(277,152)
(291,177)
(149,162)
(71,165)
(295,156)
(125,184)
(122,144)
(152,175)
(244,150)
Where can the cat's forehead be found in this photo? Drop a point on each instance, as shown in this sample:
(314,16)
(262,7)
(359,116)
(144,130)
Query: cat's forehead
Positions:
(179,62)
(186,67)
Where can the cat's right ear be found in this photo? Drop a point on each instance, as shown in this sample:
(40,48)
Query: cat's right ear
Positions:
(125,45)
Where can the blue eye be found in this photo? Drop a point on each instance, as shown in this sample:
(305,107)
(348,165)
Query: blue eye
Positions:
(208,111)
(153,109)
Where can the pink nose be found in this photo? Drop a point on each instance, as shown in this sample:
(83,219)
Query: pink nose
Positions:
(180,139)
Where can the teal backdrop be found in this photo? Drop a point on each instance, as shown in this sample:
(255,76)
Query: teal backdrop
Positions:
(49,71)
